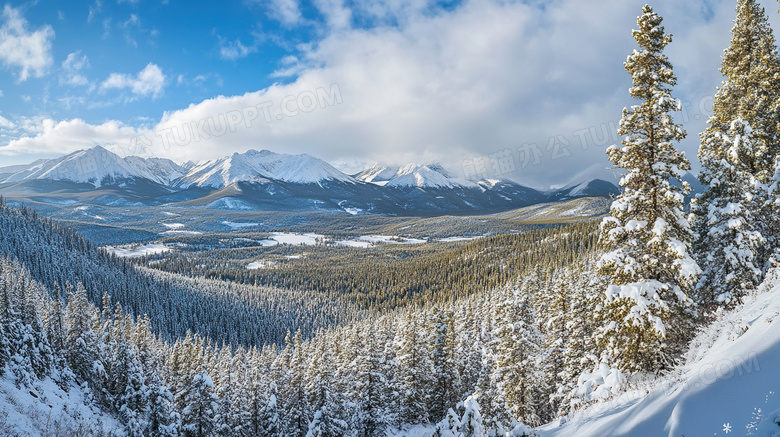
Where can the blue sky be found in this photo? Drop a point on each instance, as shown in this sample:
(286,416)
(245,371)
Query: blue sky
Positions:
(529,90)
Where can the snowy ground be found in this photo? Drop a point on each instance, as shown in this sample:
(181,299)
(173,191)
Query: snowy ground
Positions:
(47,410)
(729,384)
(235,225)
(133,251)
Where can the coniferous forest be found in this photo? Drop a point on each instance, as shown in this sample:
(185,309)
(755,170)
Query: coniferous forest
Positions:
(484,338)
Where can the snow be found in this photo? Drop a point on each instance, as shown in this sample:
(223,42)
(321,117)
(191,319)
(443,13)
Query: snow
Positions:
(254,166)
(230,203)
(729,374)
(426,176)
(180,232)
(294,239)
(380,239)
(378,174)
(454,239)
(94,165)
(352,243)
(40,411)
(132,251)
(234,225)
(260,265)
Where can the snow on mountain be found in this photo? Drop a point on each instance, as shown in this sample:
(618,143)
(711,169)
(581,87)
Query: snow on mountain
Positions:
(417,175)
(588,188)
(254,166)
(378,174)
(727,384)
(96,166)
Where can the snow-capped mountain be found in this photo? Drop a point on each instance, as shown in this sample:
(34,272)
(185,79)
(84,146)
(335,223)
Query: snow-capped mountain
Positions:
(588,188)
(264,180)
(426,176)
(378,174)
(96,166)
(412,175)
(262,166)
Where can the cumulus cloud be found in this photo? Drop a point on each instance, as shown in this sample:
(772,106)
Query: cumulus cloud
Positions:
(149,81)
(60,137)
(22,48)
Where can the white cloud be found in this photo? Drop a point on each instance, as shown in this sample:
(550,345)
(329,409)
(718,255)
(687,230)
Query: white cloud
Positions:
(60,137)
(6,123)
(29,51)
(232,50)
(72,66)
(336,14)
(149,81)
(286,11)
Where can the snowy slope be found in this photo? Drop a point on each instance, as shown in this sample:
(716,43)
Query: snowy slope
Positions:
(254,166)
(728,385)
(378,174)
(47,410)
(95,165)
(588,188)
(426,176)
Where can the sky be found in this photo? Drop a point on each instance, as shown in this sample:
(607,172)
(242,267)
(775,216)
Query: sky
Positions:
(527,90)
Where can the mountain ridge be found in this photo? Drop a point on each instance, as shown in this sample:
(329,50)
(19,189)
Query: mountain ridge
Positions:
(265,180)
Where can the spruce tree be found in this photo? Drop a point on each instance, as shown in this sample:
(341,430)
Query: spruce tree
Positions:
(646,310)
(517,351)
(731,259)
(737,159)
(750,92)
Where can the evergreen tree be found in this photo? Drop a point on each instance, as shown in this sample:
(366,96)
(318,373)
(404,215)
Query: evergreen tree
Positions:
(415,372)
(645,316)
(200,407)
(517,351)
(733,241)
(751,93)
(737,155)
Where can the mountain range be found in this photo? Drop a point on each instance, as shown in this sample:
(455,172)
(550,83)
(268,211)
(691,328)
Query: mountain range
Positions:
(264,180)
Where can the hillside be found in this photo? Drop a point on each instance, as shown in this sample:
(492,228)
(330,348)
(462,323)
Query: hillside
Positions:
(733,359)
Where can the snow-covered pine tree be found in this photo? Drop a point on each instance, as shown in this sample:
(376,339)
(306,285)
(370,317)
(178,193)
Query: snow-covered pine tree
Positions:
(443,396)
(517,345)
(471,422)
(415,370)
(225,383)
(200,407)
(731,261)
(750,96)
(295,420)
(645,319)
(80,339)
(750,92)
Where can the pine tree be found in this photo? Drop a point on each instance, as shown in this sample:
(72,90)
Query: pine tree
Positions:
(517,347)
(414,372)
(443,397)
(733,241)
(645,316)
(200,407)
(750,92)
(737,155)
(80,339)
